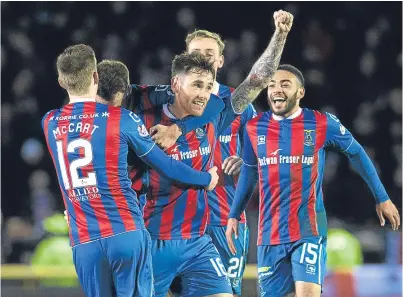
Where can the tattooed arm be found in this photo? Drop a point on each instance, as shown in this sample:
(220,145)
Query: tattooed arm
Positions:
(265,67)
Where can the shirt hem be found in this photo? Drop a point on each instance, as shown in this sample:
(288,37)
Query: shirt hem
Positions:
(106,236)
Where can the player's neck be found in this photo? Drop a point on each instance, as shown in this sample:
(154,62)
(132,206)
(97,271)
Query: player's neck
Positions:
(81,98)
(290,115)
(176,110)
(216,88)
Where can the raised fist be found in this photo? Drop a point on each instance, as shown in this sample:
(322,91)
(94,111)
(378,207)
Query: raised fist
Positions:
(283,20)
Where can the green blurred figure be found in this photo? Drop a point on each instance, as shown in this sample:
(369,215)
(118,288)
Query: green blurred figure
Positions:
(343,250)
(55,251)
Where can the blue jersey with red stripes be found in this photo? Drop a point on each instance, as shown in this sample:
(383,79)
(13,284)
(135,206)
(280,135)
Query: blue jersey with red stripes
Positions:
(290,155)
(88,143)
(174,211)
(229,144)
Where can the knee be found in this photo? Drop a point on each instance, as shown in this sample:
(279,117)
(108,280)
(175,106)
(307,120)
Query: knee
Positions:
(304,289)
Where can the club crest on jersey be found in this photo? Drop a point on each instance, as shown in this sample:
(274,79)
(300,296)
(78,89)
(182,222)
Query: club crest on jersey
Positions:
(200,133)
(308,141)
(261,139)
(142,130)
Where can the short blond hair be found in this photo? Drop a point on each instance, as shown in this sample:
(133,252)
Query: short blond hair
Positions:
(199,34)
(75,66)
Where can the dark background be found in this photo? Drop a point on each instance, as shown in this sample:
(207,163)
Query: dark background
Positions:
(350,54)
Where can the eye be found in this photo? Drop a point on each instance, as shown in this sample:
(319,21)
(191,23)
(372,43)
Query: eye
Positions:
(285,85)
(271,86)
(197,85)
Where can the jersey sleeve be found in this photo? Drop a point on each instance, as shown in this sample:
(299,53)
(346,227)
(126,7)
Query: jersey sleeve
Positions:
(135,133)
(248,154)
(247,180)
(247,115)
(44,119)
(144,97)
(213,109)
(175,170)
(340,138)
(227,116)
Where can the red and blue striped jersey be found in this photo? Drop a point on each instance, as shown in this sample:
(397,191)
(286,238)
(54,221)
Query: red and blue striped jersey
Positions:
(174,211)
(229,144)
(88,143)
(290,155)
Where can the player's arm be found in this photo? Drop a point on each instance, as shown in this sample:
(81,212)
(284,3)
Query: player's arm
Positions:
(213,108)
(166,136)
(247,115)
(247,180)
(232,164)
(265,67)
(260,74)
(142,97)
(339,138)
(134,131)
(244,191)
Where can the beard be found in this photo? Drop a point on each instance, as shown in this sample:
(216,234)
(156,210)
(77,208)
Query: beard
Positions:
(284,108)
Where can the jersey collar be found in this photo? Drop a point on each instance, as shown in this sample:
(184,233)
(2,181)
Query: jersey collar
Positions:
(168,113)
(216,89)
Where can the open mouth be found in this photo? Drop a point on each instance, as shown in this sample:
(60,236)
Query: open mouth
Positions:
(278,99)
(279,102)
(199,103)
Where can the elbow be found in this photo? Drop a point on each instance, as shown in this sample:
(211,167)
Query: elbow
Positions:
(259,81)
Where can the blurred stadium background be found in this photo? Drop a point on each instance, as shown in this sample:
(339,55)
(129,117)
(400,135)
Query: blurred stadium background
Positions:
(349,52)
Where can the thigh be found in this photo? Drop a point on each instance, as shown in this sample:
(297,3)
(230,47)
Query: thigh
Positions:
(234,264)
(165,263)
(93,269)
(275,270)
(309,260)
(129,256)
(202,273)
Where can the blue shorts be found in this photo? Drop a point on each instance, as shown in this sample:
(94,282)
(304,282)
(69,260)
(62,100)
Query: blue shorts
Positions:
(234,264)
(279,266)
(188,267)
(118,266)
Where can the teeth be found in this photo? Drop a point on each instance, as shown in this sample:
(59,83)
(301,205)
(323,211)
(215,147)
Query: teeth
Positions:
(276,99)
(199,103)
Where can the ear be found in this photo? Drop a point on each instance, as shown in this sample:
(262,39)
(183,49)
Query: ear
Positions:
(117,99)
(60,83)
(301,93)
(220,61)
(96,78)
(175,84)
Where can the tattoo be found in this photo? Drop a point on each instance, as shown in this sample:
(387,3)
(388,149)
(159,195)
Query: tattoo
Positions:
(261,73)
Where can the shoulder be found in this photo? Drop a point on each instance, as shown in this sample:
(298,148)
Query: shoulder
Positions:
(160,89)
(316,116)
(250,110)
(253,122)
(225,91)
(127,114)
(49,116)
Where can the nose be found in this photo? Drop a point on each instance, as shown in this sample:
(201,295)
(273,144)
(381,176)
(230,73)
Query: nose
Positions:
(275,92)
